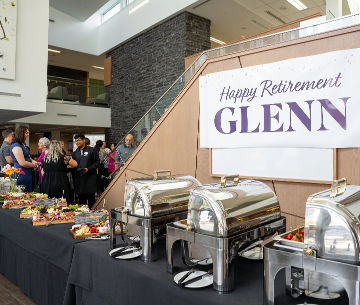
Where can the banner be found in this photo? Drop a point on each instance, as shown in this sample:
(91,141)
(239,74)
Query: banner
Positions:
(302,102)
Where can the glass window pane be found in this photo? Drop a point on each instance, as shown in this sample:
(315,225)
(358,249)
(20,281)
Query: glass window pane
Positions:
(115,9)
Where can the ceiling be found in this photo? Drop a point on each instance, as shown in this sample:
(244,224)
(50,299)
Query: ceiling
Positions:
(234,19)
(79,9)
(75,60)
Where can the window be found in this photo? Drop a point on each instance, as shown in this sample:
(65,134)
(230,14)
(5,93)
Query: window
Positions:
(112,11)
(129,1)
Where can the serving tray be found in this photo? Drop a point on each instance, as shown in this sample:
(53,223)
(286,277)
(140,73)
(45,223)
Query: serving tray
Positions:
(83,236)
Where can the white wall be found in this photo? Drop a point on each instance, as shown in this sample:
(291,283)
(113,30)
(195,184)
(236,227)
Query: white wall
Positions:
(31,60)
(123,26)
(70,33)
(95,38)
(79,116)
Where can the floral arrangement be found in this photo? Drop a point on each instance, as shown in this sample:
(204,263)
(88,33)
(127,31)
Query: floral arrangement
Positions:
(13,173)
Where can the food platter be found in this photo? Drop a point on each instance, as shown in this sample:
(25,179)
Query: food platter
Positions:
(83,231)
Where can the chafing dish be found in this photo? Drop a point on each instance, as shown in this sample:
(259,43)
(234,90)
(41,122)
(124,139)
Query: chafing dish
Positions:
(327,262)
(149,204)
(223,217)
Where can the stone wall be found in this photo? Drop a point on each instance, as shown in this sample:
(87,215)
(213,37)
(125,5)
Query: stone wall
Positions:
(145,67)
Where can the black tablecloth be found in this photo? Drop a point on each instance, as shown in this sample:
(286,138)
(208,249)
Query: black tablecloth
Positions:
(54,243)
(37,259)
(96,278)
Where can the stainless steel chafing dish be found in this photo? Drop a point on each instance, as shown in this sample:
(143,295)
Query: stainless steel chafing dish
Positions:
(149,204)
(327,262)
(223,217)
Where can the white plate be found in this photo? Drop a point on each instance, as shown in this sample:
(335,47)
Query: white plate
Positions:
(127,256)
(208,261)
(199,284)
(134,238)
(322,295)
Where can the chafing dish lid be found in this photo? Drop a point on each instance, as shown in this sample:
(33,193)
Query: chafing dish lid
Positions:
(166,193)
(231,207)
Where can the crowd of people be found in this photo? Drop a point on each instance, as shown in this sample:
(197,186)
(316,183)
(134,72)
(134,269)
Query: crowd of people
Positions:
(78,176)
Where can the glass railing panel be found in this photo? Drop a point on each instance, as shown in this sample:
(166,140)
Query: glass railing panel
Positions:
(75,91)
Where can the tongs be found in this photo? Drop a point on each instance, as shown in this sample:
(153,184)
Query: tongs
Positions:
(117,252)
(47,224)
(198,278)
(186,275)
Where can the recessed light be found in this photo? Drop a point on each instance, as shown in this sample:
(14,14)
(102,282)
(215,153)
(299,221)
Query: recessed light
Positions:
(138,6)
(102,68)
(298,4)
(217,41)
(55,51)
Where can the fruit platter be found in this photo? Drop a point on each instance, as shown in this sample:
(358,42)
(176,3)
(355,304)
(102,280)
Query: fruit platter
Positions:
(85,231)
(11,200)
(42,215)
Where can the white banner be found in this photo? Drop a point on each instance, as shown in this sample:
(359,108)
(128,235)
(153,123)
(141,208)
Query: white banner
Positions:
(302,102)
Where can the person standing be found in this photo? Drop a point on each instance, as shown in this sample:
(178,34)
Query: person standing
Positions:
(5,148)
(124,151)
(85,179)
(111,158)
(106,164)
(43,145)
(101,168)
(20,155)
(55,181)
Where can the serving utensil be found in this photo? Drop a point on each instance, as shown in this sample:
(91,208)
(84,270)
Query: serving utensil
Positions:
(128,252)
(198,278)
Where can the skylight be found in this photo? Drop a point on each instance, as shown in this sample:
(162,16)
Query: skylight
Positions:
(111,12)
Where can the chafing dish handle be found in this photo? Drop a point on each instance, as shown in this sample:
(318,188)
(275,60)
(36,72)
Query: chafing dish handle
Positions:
(223,180)
(334,187)
(160,172)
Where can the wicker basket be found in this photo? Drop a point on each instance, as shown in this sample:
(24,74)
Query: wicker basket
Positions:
(89,218)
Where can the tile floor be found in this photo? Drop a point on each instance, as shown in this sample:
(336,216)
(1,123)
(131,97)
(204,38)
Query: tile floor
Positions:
(10,294)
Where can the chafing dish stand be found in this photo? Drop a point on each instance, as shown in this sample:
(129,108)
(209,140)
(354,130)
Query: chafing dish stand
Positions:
(149,204)
(243,212)
(328,259)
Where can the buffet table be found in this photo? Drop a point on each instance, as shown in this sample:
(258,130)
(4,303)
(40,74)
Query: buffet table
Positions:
(48,264)
(110,281)
(37,259)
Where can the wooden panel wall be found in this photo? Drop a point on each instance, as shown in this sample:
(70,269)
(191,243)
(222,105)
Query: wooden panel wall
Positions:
(173,143)
(107,71)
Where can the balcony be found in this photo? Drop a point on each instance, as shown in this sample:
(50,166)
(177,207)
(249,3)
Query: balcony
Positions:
(76,92)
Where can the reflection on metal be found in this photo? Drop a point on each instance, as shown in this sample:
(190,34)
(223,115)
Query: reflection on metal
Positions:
(149,204)
(160,172)
(329,256)
(222,220)
(334,187)
(223,180)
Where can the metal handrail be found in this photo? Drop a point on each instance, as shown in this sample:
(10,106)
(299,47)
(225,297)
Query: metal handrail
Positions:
(232,45)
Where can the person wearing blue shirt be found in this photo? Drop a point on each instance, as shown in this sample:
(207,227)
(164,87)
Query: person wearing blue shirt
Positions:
(20,155)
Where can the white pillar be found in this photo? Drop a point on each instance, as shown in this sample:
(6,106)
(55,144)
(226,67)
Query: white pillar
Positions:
(335,7)
(23,124)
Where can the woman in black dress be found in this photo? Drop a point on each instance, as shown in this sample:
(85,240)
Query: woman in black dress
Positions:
(55,182)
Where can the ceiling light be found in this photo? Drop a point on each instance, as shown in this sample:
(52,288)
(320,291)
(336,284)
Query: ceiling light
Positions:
(55,51)
(138,6)
(217,41)
(102,68)
(259,25)
(298,4)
